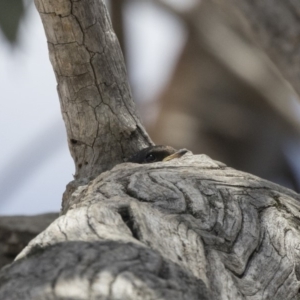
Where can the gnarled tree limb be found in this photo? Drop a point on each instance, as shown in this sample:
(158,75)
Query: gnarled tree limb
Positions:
(186,229)
(149,232)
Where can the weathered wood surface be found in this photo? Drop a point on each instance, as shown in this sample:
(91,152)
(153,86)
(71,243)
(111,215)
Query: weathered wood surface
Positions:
(96,102)
(185,229)
(17,231)
(152,231)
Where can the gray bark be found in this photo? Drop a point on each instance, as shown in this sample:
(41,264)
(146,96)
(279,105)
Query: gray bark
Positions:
(189,228)
(96,103)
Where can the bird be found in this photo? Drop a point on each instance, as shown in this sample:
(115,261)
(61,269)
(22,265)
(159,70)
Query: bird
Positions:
(155,154)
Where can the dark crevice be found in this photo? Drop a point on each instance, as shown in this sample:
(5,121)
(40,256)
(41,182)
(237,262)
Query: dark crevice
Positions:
(255,251)
(164,270)
(189,204)
(73,141)
(133,194)
(63,233)
(297,271)
(90,225)
(128,219)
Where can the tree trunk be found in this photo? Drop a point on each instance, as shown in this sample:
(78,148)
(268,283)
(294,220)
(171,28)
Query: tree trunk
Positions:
(96,103)
(189,228)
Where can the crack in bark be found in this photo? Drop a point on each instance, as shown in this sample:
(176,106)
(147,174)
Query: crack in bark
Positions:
(89,223)
(129,221)
(63,233)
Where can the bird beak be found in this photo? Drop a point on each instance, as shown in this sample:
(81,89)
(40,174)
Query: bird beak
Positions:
(177,154)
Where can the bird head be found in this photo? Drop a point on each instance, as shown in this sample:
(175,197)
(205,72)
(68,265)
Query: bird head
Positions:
(155,154)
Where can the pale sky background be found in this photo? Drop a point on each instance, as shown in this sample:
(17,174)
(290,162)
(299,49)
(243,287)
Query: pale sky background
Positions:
(35,164)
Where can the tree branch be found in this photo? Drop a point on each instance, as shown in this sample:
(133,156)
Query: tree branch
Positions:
(189,228)
(230,234)
(95,97)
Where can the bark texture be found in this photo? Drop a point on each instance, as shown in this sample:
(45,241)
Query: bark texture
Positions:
(191,228)
(96,102)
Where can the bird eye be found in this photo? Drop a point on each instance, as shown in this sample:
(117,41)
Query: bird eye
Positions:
(150,157)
